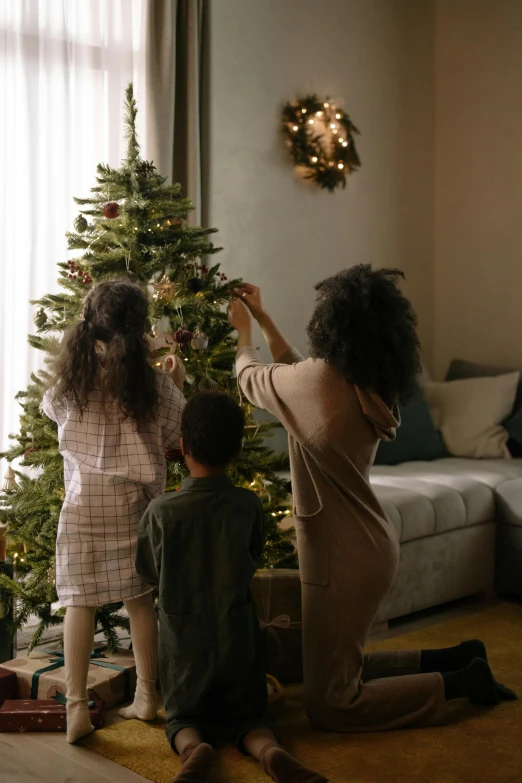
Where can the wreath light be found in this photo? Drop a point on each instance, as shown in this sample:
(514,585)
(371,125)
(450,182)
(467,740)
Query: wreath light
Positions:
(320,139)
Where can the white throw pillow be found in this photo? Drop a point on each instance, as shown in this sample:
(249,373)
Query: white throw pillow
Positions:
(469,414)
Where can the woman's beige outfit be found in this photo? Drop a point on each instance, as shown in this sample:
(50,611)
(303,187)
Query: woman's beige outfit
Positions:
(348,549)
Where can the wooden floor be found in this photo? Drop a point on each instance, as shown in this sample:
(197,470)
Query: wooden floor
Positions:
(47,758)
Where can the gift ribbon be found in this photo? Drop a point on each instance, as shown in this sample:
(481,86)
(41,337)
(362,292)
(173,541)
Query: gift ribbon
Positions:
(97,657)
(60,698)
(281,621)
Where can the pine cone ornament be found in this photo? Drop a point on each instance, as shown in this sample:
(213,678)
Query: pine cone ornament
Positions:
(80,224)
(145,168)
(195,285)
(183,336)
(199,341)
(111,210)
(40,318)
(207,384)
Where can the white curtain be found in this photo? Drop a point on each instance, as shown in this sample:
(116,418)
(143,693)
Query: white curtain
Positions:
(64,66)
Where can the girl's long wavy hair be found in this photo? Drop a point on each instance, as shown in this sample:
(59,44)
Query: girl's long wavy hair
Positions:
(114,313)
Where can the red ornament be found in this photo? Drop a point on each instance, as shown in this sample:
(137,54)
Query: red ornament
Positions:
(111,210)
(183,336)
(29,451)
(173,455)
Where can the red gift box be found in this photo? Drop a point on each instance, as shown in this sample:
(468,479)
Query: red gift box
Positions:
(19,715)
(8,685)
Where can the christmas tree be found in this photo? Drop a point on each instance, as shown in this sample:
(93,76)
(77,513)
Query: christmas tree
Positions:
(135,225)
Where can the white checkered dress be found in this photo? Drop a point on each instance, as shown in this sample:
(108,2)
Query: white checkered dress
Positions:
(111,473)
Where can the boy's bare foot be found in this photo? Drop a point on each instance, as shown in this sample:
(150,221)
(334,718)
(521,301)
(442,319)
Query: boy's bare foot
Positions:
(196,760)
(284,768)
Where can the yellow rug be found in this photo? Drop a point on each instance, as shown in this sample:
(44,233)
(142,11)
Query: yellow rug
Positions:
(474,746)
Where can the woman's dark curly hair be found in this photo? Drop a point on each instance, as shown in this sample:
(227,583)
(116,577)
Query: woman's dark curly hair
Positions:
(114,313)
(366,329)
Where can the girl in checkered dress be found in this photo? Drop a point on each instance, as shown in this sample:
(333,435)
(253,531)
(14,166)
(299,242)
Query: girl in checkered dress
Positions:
(115,416)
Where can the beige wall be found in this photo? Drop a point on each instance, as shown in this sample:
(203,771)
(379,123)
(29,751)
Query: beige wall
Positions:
(280,233)
(478,213)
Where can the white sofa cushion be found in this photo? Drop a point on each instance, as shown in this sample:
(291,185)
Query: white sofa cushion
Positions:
(427,498)
(469,413)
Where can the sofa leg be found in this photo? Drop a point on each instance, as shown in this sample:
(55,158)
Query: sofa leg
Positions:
(379,628)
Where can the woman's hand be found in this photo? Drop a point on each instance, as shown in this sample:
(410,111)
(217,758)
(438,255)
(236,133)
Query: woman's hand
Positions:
(251,296)
(239,316)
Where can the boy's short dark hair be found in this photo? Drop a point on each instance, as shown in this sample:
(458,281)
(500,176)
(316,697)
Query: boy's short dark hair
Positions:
(212,428)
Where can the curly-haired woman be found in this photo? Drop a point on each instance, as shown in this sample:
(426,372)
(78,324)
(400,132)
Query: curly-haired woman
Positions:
(336,406)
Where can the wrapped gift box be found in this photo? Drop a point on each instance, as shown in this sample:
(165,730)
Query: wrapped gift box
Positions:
(42,715)
(8,685)
(277,595)
(41,675)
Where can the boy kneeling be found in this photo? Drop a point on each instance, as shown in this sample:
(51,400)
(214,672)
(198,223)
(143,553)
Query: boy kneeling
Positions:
(202,546)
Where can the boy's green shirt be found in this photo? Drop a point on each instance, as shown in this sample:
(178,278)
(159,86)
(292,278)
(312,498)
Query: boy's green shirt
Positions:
(202,546)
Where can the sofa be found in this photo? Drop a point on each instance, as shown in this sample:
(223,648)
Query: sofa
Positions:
(459,523)
(459,518)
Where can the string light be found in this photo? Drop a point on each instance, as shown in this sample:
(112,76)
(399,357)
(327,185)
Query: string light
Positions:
(326,105)
(332,125)
(337,116)
(314,159)
(311,122)
(340,165)
(341,139)
(334,130)
(345,143)
(295,127)
(319,114)
(304,111)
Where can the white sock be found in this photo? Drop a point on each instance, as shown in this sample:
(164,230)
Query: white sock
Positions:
(78,638)
(144,635)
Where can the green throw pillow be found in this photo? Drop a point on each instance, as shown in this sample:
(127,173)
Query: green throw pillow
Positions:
(417,438)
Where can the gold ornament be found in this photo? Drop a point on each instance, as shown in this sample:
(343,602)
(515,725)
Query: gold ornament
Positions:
(9,478)
(165,289)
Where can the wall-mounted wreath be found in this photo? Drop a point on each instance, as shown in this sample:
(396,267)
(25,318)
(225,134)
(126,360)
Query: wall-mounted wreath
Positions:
(320,139)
